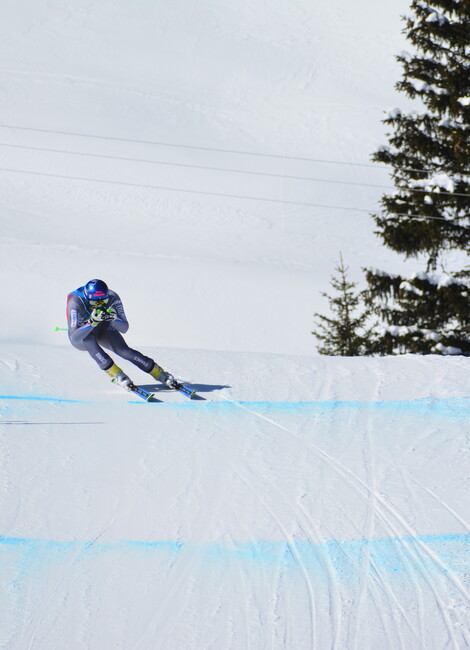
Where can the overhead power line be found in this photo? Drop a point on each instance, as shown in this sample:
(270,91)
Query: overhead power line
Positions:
(190,166)
(229,170)
(186,146)
(209,149)
(207,193)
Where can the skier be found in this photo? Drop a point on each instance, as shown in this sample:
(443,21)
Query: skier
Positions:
(96,320)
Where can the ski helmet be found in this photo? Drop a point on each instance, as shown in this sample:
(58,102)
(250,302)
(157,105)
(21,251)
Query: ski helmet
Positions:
(96,290)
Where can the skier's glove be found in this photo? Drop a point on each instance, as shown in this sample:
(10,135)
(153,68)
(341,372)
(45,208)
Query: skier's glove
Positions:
(100,315)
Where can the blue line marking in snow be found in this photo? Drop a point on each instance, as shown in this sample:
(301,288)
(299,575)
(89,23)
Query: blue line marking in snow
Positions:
(394,556)
(39,398)
(426,406)
(454,406)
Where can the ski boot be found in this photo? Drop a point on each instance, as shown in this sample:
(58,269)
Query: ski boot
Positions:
(118,376)
(161,375)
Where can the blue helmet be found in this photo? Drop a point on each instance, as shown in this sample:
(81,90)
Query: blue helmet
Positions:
(96,290)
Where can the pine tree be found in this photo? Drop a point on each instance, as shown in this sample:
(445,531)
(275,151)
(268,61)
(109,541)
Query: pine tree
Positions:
(429,314)
(345,334)
(429,212)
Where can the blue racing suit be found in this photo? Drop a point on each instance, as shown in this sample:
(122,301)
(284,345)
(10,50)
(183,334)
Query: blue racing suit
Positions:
(107,334)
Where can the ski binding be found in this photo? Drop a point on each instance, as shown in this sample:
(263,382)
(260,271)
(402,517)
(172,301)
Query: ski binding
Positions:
(144,394)
(189,392)
(141,392)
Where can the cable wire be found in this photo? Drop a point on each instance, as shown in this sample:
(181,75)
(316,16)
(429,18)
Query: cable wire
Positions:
(185,146)
(231,171)
(211,149)
(217,194)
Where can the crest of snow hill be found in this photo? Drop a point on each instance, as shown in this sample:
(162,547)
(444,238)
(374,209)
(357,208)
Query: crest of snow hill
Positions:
(428,214)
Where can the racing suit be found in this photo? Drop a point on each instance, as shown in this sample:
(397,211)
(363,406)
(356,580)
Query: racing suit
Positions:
(107,334)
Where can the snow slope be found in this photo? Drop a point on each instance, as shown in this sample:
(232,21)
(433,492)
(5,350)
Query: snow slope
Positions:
(324,510)
(308,502)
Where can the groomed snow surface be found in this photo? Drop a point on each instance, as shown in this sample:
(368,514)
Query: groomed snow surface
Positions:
(306,503)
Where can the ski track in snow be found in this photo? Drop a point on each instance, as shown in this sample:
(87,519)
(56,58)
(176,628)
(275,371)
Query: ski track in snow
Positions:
(391,517)
(258,597)
(395,524)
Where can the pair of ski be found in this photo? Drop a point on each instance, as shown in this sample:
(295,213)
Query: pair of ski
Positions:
(150,397)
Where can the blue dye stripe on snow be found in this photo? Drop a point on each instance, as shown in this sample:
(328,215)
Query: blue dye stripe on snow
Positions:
(40,398)
(431,406)
(459,406)
(395,556)
(425,404)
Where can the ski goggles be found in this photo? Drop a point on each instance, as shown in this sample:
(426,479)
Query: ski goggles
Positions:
(98,303)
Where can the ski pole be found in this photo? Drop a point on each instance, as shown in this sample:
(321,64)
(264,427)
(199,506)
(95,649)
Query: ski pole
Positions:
(60,329)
